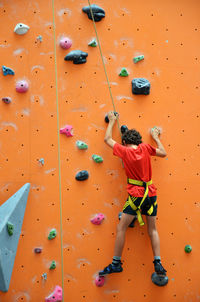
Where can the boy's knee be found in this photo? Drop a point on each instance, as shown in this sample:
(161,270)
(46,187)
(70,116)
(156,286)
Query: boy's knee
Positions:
(152,231)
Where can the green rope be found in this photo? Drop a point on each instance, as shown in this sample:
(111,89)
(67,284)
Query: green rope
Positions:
(59,162)
(99,45)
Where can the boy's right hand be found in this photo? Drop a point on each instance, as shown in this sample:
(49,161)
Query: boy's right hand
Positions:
(155,132)
(113,115)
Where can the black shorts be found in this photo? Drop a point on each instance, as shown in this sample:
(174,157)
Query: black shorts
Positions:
(144,208)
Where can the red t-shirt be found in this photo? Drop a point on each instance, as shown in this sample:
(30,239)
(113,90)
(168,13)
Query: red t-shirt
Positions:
(137,165)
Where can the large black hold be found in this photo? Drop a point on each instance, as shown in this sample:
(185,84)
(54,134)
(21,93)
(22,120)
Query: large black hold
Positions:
(82,175)
(140,86)
(123,129)
(97,11)
(77,56)
(159,280)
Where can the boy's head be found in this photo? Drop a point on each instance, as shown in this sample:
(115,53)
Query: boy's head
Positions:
(131,137)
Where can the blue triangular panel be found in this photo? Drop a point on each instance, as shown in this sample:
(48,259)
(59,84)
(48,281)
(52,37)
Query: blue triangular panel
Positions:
(11,211)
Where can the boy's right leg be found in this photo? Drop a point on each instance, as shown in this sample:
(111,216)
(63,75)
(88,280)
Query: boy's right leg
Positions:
(115,266)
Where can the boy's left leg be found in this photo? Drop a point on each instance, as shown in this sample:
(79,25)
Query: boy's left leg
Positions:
(155,243)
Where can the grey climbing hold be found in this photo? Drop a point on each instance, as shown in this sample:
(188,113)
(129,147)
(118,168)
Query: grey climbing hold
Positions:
(21,29)
(82,175)
(140,86)
(39,38)
(138,58)
(7,100)
(7,71)
(10,228)
(97,11)
(44,276)
(123,72)
(159,280)
(52,234)
(132,224)
(77,56)
(41,161)
(188,248)
(123,129)
(81,145)
(93,43)
(53,265)
(12,210)
(97,158)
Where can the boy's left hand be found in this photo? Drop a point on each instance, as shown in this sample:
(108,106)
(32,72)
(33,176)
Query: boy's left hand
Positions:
(113,116)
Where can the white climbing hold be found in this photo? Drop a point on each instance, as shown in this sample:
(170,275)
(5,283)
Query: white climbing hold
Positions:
(21,29)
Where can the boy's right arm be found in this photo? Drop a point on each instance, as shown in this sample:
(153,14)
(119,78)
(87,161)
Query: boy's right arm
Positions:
(160,150)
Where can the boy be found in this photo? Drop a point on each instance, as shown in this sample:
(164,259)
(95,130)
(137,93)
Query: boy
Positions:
(142,193)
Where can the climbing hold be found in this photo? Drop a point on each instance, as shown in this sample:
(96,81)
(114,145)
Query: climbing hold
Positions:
(81,145)
(68,130)
(140,86)
(77,56)
(7,70)
(132,224)
(99,281)
(93,43)
(44,276)
(52,234)
(124,128)
(38,250)
(41,160)
(98,219)
(107,119)
(10,228)
(22,86)
(138,58)
(97,12)
(7,100)
(56,296)
(53,265)
(12,210)
(97,158)
(21,29)
(65,42)
(188,248)
(82,175)
(123,72)
(39,38)
(159,280)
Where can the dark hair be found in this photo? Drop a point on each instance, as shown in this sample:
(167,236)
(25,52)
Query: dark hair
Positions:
(132,137)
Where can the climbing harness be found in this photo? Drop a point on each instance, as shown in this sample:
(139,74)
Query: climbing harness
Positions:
(132,200)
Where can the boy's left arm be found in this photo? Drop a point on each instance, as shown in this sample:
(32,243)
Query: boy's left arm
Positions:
(108,135)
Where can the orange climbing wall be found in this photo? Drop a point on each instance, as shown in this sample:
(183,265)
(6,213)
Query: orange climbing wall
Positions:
(167,33)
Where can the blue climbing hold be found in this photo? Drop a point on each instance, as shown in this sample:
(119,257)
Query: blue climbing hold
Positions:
(77,56)
(7,71)
(140,86)
(82,175)
(97,11)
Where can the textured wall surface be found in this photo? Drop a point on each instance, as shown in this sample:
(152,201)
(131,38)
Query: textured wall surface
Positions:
(60,93)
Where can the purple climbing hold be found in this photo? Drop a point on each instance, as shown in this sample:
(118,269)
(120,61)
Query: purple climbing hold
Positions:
(65,42)
(99,281)
(38,250)
(22,86)
(98,219)
(77,56)
(7,100)
(68,130)
(97,11)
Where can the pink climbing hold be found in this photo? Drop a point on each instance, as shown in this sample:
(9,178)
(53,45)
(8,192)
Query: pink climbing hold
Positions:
(98,219)
(99,281)
(65,43)
(22,86)
(56,296)
(68,130)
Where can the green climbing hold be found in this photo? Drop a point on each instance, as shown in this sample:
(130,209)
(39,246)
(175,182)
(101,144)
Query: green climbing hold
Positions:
(81,145)
(93,43)
(138,58)
(53,265)
(123,72)
(10,228)
(97,158)
(52,234)
(188,248)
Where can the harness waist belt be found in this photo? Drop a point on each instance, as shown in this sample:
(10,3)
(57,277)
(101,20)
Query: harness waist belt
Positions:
(146,191)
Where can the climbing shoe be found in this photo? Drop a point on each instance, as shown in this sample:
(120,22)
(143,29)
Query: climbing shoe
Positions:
(159,269)
(111,269)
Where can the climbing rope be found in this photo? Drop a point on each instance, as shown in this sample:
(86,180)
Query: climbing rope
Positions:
(59,161)
(99,45)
